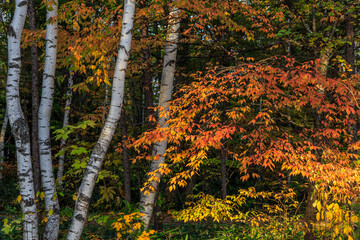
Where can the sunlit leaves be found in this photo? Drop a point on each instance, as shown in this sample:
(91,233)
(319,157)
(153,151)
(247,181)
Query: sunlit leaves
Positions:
(128,225)
(270,107)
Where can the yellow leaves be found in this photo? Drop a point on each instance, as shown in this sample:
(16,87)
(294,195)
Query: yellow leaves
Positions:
(50,212)
(18,199)
(75,26)
(129,224)
(74,197)
(333,217)
(40,195)
(117,226)
(209,207)
(146,235)
(82,69)
(77,55)
(317,204)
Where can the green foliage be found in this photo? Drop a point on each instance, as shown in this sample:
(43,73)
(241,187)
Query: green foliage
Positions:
(64,133)
(11,229)
(220,231)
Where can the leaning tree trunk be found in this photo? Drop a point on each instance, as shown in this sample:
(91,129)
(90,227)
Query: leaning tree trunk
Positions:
(147,200)
(99,151)
(18,123)
(2,142)
(61,163)
(35,106)
(47,176)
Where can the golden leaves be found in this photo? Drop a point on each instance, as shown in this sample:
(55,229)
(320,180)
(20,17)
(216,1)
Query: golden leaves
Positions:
(129,224)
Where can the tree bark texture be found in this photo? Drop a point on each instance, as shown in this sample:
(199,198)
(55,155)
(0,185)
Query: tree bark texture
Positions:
(47,176)
(147,200)
(19,127)
(99,151)
(2,142)
(147,79)
(126,161)
(61,163)
(35,104)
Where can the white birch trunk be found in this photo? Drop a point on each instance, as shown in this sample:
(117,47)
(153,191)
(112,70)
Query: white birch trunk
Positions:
(99,151)
(47,176)
(19,127)
(69,92)
(147,200)
(2,142)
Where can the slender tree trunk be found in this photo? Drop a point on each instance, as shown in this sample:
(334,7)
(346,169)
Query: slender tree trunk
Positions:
(350,59)
(189,191)
(69,92)
(147,80)
(99,151)
(350,48)
(147,200)
(35,104)
(2,142)
(310,212)
(126,162)
(223,173)
(47,176)
(19,127)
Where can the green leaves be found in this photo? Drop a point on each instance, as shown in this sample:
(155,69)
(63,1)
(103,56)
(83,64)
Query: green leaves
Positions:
(79,164)
(63,133)
(78,150)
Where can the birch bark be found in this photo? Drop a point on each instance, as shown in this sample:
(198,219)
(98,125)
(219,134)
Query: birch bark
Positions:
(61,163)
(99,151)
(47,176)
(147,200)
(18,123)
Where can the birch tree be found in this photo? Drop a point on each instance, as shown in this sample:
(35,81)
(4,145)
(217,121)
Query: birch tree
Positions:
(47,177)
(19,127)
(99,151)
(147,199)
(69,91)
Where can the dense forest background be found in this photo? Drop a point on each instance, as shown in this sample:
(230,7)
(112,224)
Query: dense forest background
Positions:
(183,119)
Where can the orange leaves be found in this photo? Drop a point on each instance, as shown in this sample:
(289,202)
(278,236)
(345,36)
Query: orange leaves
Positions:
(264,114)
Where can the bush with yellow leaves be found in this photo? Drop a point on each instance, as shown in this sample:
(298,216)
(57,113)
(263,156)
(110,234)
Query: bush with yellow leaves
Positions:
(129,226)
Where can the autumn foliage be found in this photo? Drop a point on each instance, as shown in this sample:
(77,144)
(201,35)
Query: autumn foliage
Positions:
(265,98)
(265,114)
